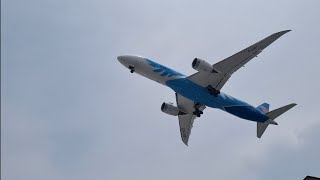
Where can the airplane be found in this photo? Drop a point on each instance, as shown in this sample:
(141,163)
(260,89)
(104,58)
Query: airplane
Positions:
(203,89)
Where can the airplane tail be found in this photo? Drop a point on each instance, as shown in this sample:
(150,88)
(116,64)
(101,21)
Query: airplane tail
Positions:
(264,107)
(261,127)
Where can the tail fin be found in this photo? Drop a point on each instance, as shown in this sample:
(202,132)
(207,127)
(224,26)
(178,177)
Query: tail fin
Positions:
(264,107)
(261,127)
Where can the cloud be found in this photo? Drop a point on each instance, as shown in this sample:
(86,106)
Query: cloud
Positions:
(71,111)
(290,160)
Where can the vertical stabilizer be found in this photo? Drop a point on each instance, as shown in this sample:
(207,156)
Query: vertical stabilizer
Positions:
(264,107)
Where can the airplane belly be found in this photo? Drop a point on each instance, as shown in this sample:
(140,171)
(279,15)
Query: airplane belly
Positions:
(156,72)
(194,92)
(246,112)
(227,103)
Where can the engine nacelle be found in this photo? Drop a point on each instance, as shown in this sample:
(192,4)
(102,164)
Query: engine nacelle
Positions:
(170,109)
(202,65)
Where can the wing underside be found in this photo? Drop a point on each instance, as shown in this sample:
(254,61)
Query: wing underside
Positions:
(186,120)
(231,64)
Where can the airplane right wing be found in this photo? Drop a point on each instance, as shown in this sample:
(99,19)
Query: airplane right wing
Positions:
(186,120)
(186,124)
(228,66)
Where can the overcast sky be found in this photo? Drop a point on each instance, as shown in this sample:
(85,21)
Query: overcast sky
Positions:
(70,110)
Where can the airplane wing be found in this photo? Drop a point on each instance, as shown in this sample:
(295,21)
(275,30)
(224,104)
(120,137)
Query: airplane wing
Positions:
(231,64)
(186,120)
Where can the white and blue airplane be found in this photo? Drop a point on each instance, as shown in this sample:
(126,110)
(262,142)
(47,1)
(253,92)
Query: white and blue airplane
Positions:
(195,92)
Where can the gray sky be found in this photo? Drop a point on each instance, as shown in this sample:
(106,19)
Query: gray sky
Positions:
(70,110)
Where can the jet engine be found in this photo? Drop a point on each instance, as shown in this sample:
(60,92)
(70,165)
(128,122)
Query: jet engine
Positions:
(170,109)
(202,65)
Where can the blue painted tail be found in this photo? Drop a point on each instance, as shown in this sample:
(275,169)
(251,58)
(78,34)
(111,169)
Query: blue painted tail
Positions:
(264,108)
(272,115)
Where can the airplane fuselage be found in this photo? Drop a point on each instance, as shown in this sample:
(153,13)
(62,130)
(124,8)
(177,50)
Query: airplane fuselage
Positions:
(190,90)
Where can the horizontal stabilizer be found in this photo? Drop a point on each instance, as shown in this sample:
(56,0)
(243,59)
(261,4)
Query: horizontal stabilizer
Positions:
(261,127)
(277,112)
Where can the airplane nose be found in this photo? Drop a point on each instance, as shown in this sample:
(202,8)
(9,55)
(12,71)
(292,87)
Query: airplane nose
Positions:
(121,59)
(128,60)
(124,60)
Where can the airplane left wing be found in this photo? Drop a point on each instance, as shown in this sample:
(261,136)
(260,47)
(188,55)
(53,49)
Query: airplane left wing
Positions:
(186,120)
(228,66)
